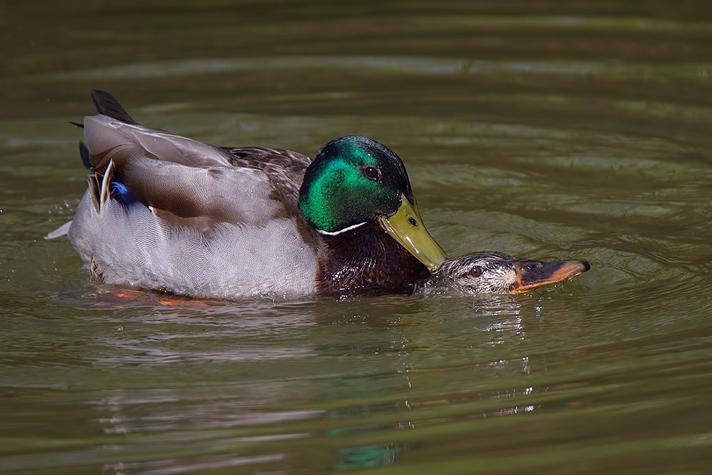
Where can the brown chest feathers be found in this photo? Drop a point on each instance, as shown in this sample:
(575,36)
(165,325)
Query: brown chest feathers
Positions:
(366,260)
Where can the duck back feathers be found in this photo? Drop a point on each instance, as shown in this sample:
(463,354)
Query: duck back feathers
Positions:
(167,212)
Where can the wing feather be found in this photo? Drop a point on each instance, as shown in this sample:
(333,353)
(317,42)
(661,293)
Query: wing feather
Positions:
(185,177)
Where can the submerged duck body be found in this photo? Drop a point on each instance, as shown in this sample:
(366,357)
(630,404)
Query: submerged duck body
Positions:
(166,212)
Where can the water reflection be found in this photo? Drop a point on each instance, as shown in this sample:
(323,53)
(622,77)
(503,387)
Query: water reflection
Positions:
(392,64)
(252,419)
(368,456)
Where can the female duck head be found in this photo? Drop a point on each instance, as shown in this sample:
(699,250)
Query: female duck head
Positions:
(497,273)
(354,180)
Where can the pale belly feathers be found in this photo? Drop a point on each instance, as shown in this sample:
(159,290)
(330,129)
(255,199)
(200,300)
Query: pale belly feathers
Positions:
(130,246)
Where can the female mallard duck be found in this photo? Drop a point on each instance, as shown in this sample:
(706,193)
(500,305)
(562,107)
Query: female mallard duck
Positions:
(170,213)
(496,273)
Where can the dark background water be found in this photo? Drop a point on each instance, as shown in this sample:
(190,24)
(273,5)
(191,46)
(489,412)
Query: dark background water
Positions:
(542,129)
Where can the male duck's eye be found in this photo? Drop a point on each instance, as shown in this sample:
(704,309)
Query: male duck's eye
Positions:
(476,272)
(372,173)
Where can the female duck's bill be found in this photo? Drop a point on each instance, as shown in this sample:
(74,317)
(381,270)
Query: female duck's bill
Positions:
(494,272)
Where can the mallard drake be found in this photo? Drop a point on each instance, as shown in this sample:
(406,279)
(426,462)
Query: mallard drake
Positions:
(170,213)
(496,273)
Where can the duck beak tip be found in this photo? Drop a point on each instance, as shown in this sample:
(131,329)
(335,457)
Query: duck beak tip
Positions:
(532,275)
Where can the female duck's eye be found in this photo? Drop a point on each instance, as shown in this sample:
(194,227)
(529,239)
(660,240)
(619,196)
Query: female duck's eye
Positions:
(372,173)
(476,272)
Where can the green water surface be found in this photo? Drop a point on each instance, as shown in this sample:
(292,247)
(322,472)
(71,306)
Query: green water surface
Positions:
(542,129)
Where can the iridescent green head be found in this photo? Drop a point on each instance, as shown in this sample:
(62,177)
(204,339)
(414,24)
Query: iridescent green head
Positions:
(351,181)
(355,180)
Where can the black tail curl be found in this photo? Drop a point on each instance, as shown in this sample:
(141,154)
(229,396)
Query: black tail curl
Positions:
(108,105)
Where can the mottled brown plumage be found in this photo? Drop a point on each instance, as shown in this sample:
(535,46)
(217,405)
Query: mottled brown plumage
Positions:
(492,272)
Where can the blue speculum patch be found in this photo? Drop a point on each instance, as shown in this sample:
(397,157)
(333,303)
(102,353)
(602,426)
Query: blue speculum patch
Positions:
(121,194)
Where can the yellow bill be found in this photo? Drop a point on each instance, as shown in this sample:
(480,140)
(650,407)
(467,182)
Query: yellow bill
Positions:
(406,227)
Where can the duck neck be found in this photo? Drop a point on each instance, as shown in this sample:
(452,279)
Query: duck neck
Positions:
(367,260)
